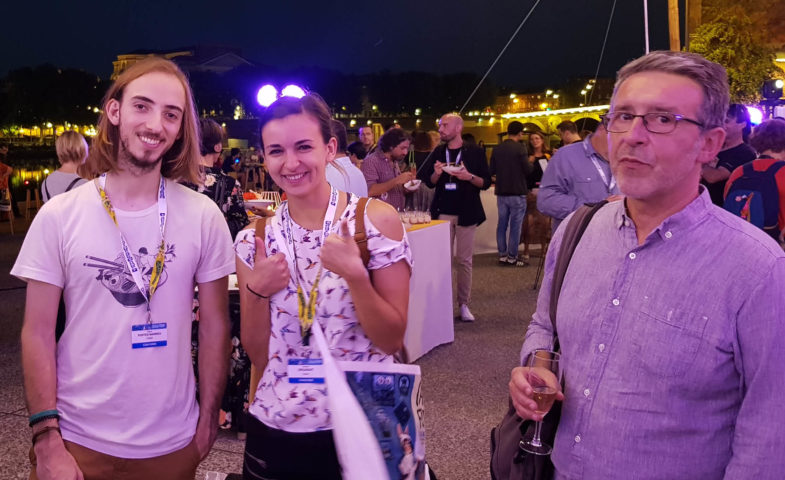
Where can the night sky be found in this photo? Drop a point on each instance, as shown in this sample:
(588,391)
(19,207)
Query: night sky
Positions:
(562,38)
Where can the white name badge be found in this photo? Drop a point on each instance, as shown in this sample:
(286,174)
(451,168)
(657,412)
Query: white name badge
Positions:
(451,186)
(148,335)
(305,370)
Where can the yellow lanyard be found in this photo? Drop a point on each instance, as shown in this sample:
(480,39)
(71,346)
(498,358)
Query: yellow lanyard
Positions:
(306,308)
(133,267)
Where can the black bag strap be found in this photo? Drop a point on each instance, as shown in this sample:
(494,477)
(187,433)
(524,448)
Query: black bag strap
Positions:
(48,195)
(70,185)
(572,236)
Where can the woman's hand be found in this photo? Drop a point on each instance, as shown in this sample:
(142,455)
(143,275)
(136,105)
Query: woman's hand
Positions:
(270,275)
(341,255)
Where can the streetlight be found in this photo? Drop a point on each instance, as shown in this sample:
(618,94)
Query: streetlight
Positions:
(583,92)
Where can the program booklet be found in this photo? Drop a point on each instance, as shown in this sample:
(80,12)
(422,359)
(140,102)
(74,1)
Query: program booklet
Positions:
(391,397)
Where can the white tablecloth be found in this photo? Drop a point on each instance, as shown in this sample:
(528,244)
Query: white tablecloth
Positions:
(430,321)
(485,236)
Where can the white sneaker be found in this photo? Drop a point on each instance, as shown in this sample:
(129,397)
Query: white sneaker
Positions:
(466,314)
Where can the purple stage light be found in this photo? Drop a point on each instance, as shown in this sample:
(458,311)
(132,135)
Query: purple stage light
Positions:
(756,116)
(267,95)
(292,90)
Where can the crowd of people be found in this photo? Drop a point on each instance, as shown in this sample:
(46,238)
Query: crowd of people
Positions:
(669,317)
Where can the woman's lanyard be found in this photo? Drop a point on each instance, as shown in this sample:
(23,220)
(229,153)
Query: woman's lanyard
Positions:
(609,185)
(306,307)
(130,261)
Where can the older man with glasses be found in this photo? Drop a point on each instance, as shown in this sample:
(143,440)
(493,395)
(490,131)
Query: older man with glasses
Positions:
(672,343)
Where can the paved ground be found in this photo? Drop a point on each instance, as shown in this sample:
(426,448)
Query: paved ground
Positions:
(465,383)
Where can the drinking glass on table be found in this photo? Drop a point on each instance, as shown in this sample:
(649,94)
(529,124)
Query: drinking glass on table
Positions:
(544,376)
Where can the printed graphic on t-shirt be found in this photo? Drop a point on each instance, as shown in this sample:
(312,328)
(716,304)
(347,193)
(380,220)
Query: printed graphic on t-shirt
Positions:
(115,276)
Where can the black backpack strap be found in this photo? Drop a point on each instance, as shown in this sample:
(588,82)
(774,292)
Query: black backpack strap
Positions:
(572,236)
(46,189)
(70,185)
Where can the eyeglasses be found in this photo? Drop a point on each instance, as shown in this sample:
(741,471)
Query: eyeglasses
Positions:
(655,122)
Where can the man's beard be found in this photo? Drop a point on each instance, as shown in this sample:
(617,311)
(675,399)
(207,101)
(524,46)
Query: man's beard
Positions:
(137,166)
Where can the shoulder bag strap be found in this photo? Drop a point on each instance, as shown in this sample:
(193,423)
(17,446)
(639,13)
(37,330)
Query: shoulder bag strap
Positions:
(360,236)
(48,195)
(69,187)
(259,226)
(572,235)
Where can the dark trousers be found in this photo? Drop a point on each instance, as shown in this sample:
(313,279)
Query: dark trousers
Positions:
(272,454)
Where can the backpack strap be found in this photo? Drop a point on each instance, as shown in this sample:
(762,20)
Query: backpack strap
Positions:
(48,195)
(572,236)
(360,236)
(259,226)
(70,185)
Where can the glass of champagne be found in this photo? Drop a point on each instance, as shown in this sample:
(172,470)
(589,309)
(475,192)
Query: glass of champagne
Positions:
(544,376)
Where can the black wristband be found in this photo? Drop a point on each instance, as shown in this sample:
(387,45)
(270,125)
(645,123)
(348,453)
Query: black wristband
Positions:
(257,294)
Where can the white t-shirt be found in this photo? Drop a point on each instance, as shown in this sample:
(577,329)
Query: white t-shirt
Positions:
(130,403)
(354,181)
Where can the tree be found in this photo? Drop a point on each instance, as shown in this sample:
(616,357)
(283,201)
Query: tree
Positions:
(733,40)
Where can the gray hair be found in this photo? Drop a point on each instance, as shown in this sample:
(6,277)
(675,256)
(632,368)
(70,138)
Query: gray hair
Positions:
(709,75)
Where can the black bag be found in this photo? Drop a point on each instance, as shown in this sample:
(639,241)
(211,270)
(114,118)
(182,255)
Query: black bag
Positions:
(508,460)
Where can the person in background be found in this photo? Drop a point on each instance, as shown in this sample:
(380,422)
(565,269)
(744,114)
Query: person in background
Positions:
(367,138)
(457,198)
(5,174)
(578,173)
(341,172)
(382,171)
(71,149)
(768,139)
(222,189)
(357,153)
(308,247)
(671,314)
(232,162)
(510,168)
(735,152)
(536,225)
(568,132)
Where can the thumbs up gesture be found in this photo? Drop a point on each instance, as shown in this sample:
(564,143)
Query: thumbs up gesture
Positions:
(270,274)
(341,255)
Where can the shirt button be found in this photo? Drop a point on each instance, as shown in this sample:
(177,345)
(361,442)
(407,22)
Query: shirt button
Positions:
(577,439)
(632,256)
(586,392)
(601,347)
(668,234)
(616,302)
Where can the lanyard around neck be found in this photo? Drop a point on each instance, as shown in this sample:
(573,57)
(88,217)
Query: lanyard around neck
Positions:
(306,305)
(130,260)
(457,157)
(609,185)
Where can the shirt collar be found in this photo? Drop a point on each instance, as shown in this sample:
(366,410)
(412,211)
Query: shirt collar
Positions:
(677,223)
(589,150)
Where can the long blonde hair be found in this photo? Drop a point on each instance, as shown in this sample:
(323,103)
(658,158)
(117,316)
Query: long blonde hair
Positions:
(181,161)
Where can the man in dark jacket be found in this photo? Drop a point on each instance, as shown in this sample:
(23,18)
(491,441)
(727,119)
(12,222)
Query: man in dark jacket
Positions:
(458,172)
(510,166)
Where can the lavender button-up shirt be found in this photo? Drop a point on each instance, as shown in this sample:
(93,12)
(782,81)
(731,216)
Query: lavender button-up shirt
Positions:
(572,179)
(673,351)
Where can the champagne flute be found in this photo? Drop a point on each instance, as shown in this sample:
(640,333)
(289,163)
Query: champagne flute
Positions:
(544,376)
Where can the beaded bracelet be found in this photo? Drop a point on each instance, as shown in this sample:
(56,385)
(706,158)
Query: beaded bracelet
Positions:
(44,430)
(41,416)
